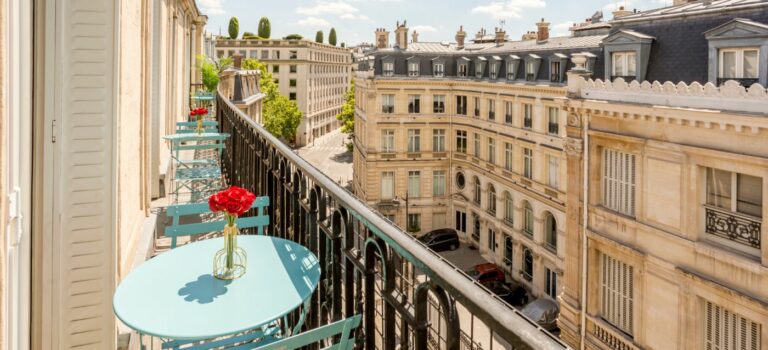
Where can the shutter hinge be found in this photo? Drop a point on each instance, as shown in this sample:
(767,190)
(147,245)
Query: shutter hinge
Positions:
(53,131)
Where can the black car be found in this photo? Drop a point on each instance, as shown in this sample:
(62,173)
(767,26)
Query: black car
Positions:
(511,292)
(441,239)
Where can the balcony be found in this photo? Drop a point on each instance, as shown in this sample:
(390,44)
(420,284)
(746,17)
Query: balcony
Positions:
(357,248)
(745,82)
(735,227)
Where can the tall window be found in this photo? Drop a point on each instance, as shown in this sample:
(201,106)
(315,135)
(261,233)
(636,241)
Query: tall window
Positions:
(414,222)
(550,231)
(292,68)
(509,208)
(476,138)
(413,69)
(494,70)
(491,199)
(387,140)
(461,105)
(479,67)
(491,150)
(551,283)
(508,249)
(414,140)
(553,126)
(438,183)
(735,192)
(414,104)
(438,104)
(623,65)
(461,221)
(491,240)
(727,330)
(491,109)
(553,171)
(740,63)
(461,141)
(478,193)
(508,112)
(619,181)
(388,69)
(414,184)
(476,101)
(508,156)
(438,140)
(527,115)
(439,70)
(511,71)
(463,70)
(388,103)
(388,185)
(530,70)
(616,293)
(554,69)
(528,163)
(528,216)
(527,264)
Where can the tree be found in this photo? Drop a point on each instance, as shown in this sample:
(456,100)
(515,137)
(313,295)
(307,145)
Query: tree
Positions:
(293,37)
(265,28)
(319,37)
(211,70)
(332,37)
(234,28)
(281,115)
(343,45)
(347,116)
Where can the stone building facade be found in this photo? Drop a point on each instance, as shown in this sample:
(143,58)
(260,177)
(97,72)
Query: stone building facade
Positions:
(314,75)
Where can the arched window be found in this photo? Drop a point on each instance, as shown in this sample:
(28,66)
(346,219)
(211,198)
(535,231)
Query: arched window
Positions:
(478,193)
(528,224)
(550,231)
(527,264)
(491,199)
(509,208)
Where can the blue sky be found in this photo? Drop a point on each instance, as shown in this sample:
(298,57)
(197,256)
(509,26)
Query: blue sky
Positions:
(435,20)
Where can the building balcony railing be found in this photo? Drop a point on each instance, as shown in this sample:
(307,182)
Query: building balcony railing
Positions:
(359,250)
(530,77)
(553,128)
(527,123)
(745,82)
(736,227)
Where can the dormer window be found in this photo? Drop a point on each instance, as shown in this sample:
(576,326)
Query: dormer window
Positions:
(530,71)
(388,69)
(624,65)
(513,62)
(557,64)
(463,70)
(439,70)
(494,71)
(740,64)
(480,67)
(413,69)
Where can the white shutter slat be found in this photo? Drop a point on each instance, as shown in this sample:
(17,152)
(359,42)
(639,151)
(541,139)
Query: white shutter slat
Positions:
(84,269)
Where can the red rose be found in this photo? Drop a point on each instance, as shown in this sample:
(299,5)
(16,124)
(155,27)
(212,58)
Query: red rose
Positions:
(235,201)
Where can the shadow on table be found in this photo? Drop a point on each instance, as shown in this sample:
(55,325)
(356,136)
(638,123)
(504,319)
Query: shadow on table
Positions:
(204,290)
(307,273)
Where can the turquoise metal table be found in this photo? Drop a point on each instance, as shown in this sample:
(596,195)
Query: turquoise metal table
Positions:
(174,296)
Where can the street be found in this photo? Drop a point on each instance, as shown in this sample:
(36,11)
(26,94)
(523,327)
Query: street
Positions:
(329,154)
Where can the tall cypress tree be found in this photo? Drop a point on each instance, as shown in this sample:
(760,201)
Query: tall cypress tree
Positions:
(319,37)
(265,28)
(234,28)
(332,37)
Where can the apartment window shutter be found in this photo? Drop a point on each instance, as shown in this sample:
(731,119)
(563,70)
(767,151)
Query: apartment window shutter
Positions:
(617,293)
(619,181)
(727,330)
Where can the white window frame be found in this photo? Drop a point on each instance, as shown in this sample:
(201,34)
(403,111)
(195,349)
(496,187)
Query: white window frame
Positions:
(438,183)
(553,171)
(509,156)
(528,218)
(508,112)
(414,140)
(491,150)
(461,141)
(414,184)
(511,74)
(477,144)
(387,185)
(414,104)
(527,162)
(387,103)
(491,109)
(491,199)
(413,69)
(553,114)
(388,140)
(625,57)
(438,140)
(494,70)
(527,115)
(438,104)
(509,208)
(463,70)
(739,62)
(439,70)
(388,69)
(478,190)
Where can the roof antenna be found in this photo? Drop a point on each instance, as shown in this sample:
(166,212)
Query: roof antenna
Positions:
(502,23)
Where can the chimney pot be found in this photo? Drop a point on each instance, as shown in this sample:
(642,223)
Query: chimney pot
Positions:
(237,60)
(542,34)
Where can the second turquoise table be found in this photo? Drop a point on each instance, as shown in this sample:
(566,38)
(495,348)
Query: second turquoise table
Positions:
(175,296)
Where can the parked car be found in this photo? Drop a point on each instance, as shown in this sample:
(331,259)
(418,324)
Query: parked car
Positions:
(441,239)
(511,292)
(486,273)
(543,311)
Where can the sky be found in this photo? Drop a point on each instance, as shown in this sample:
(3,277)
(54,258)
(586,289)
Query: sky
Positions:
(435,20)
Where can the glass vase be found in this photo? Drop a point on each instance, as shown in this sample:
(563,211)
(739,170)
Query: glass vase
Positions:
(229,263)
(199,125)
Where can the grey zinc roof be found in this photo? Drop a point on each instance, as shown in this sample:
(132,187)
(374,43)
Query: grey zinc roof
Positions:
(592,26)
(553,43)
(690,8)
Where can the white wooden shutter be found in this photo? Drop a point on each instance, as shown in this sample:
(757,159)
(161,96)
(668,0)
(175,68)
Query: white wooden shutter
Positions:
(727,330)
(617,293)
(83,265)
(619,181)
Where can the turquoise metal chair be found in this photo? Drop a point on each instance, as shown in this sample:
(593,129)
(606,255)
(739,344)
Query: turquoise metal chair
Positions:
(176,229)
(209,126)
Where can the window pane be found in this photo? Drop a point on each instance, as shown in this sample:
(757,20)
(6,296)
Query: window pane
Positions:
(719,188)
(750,195)
(631,64)
(618,64)
(729,65)
(750,64)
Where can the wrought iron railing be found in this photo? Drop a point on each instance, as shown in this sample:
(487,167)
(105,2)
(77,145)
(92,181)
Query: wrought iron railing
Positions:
(553,128)
(364,256)
(736,227)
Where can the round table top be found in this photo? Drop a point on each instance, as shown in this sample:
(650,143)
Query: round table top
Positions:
(175,295)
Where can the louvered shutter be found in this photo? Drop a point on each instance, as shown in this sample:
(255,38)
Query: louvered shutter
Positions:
(617,293)
(619,181)
(727,330)
(84,254)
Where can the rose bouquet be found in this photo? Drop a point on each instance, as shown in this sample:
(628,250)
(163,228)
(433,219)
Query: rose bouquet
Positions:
(198,113)
(229,263)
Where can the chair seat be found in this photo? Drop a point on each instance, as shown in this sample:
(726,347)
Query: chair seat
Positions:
(198,173)
(198,162)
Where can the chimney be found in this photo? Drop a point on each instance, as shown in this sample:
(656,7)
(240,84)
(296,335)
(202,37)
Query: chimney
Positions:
(621,12)
(529,35)
(542,34)
(460,36)
(401,36)
(382,38)
(479,35)
(415,36)
(237,60)
(501,36)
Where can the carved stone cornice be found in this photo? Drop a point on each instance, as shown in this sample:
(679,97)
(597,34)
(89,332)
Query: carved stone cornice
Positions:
(573,147)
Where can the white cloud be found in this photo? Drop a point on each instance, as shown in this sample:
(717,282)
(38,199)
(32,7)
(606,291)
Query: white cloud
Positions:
(423,28)
(508,9)
(314,22)
(352,16)
(327,7)
(561,29)
(211,7)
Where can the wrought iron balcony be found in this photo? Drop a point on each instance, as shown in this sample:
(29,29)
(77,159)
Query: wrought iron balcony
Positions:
(736,227)
(369,266)
(554,128)
(745,82)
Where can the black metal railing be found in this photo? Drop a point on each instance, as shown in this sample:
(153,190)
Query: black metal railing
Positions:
(745,82)
(733,226)
(369,266)
(527,122)
(553,128)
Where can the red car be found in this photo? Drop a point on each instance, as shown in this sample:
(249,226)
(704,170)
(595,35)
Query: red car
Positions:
(485,273)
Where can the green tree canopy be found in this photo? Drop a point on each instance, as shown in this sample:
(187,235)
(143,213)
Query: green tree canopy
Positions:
(293,37)
(211,70)
(332,37)
(265,28)
(319,37)
(343,45)
(347,115)
(281,115)
(234,28)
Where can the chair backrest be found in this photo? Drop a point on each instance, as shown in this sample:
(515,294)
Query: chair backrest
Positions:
(176,229)
(343,328)
(194,130)
(193,124)
(199,147)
